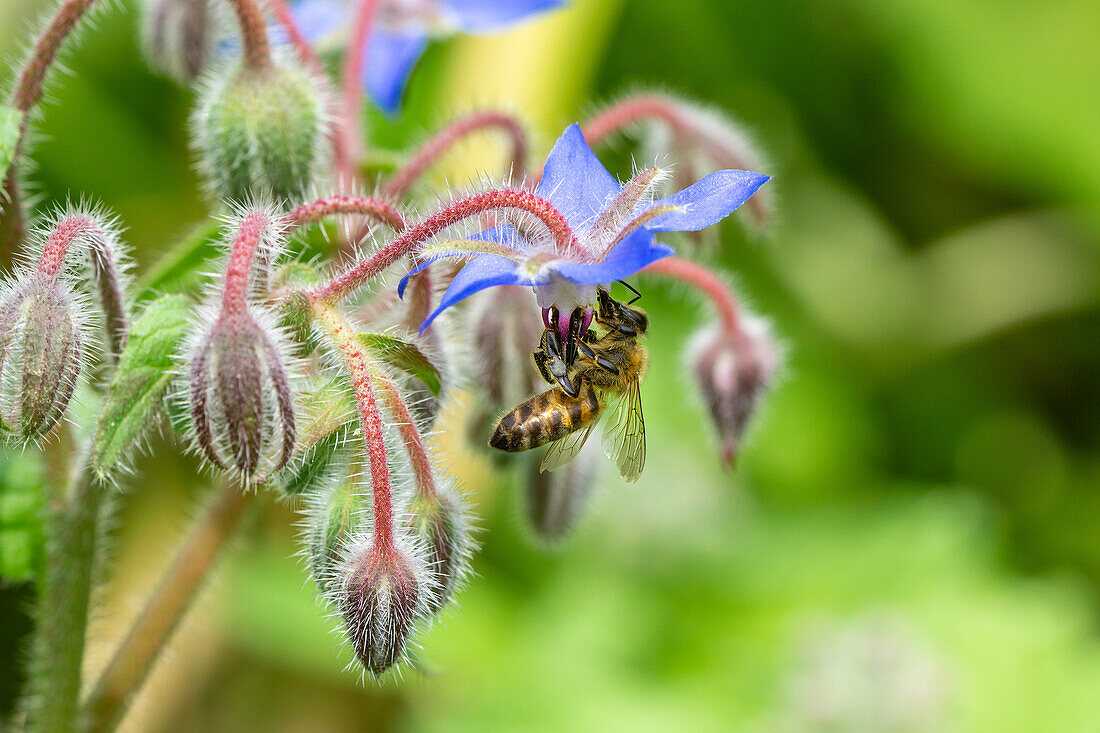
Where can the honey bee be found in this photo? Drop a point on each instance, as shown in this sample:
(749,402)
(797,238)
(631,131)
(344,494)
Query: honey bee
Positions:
(588,371)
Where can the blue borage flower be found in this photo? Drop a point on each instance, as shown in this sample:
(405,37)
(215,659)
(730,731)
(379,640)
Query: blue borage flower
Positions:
(402,29)
(614,226)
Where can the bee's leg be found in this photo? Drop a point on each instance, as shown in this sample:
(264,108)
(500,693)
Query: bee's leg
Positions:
(555,365)
(542,362)
(601,361)
(575,321)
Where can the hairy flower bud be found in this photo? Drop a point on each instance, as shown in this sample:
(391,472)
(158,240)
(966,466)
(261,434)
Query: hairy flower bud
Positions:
(383,594)
(439,522)
(555,500)
(40,357)
(42,339)
(260,132)
(242,407)
(507,327)
(178,36)
(337,513)
(733,370)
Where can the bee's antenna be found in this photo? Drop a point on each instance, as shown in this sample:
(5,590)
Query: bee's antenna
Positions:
(632,289)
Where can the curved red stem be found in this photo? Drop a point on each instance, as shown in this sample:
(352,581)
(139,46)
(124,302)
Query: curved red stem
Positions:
(370,207)
(554,220)
(430,151)
(706,281)
(347,137)
(257,50)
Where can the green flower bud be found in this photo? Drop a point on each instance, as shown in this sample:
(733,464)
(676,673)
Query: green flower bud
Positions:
(259,132)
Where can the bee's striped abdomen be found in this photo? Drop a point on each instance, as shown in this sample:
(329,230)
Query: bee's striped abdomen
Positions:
(545,418)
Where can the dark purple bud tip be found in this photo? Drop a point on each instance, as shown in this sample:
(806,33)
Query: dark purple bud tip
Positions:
(41,353)
(381,600)
(733,370)
(242,406)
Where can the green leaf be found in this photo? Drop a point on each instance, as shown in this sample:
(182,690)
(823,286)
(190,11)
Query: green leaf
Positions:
(326,415)
(181,266)
(10,120)
(145,371)
(319,465)
(403,355)
(22,541)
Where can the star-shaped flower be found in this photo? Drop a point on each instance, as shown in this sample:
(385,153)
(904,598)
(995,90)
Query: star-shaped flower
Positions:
(613,227)
(402,29)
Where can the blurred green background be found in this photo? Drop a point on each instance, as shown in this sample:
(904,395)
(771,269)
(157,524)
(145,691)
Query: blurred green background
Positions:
(909,542)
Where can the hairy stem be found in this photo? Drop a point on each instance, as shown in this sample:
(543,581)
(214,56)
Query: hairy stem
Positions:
(372,208)
(26,94)
(134,659)
(347,139)
(53,694)
(705,281)
(407,243)
(239,267)
(257,50)
(410,436)
(429,152)
(355,358)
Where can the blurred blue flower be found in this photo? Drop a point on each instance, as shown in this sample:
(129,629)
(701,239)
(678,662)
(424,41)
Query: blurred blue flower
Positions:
(402,29)
(613,224)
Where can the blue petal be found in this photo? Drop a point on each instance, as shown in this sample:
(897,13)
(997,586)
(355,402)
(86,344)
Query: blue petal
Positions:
(707,201)
(484,272)
(390,60)
(481,16)
(575,180)
(320,18)
(505,234)
(635,252)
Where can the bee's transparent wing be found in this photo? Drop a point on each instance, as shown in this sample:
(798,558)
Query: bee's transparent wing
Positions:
(624,439)
(563,450)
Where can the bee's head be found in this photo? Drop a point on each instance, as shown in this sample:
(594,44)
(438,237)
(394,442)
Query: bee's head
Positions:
(627,320)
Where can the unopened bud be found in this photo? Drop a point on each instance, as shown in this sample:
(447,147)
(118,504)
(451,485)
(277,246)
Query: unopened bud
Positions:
(557,499)
(507,327)
(383,594)
(41,353)
(42,342)
(259,132)
(733,370)
(439,522)
(178,36)
(242,407)
(337,513)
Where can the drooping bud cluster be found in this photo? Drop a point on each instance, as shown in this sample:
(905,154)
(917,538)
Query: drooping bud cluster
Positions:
(733,369)
(178,35)
(241,401)
(43,341)
(260,131)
